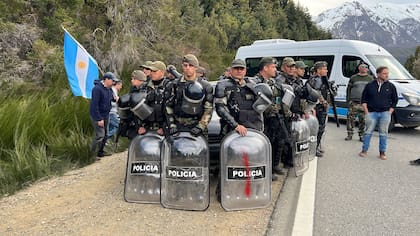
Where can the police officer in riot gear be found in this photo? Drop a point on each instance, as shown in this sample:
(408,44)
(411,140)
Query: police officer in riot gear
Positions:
(130,123)
(155,93)
(274,126)
(318,82)
(300,103)
(286,76)
(188,100)
(234,99)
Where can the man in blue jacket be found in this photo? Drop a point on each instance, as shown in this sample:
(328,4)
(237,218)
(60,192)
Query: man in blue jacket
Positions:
(379,100)
(100,105)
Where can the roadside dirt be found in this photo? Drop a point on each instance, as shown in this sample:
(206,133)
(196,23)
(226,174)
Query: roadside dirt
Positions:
(89,201)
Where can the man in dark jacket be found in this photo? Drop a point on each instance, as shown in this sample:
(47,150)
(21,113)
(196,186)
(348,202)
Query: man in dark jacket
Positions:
(100,105)
(379,99)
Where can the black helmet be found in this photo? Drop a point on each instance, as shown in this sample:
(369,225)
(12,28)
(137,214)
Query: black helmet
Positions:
(194,91)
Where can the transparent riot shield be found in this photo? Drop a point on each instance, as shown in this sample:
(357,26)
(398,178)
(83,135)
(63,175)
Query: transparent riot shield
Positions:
(300,135)
(142,181)
(313,133)
(185,172)
(245,165)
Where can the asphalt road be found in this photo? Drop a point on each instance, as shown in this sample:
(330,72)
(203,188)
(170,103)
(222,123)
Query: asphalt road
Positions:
(368,196)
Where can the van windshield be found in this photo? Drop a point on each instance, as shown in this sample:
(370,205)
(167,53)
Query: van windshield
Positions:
(396,70)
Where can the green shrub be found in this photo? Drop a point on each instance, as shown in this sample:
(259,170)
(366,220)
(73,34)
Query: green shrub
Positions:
(42,136)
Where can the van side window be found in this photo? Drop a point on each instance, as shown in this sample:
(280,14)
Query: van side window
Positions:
(252,66)
(252,63)
(350,65)
(310,61)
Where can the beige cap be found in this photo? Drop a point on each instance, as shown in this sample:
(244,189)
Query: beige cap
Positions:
(157,65)
(146,64)
(300,65)
(238,63)
(288,61)
(138,75)
(191,59)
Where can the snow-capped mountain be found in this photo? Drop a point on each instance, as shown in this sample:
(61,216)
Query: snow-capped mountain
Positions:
(386,24)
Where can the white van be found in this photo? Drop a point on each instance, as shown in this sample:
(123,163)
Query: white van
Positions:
(343,56)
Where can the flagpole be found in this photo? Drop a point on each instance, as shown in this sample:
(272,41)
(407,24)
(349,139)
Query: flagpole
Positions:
(100,69)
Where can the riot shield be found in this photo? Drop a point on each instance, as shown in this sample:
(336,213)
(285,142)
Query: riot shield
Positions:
(185,175)
(300,135)
(142,181)
(313,132)
(245,165)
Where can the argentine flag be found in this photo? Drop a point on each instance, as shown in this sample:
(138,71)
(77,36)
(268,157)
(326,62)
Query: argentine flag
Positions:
(81,68)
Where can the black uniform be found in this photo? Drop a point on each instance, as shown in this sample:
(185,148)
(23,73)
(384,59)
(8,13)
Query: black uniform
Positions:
(274,121)
(131,125)
(287,155)
(321,109)
(155,97)
(234,105)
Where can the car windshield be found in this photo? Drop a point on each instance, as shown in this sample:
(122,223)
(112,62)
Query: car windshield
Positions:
(396,70)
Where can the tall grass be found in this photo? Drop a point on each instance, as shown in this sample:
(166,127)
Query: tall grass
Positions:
(42,135)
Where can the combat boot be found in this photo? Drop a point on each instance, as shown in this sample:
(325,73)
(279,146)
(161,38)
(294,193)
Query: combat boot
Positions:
(348,138)
(415,162)
(274,177)
(277,170)
(319,153)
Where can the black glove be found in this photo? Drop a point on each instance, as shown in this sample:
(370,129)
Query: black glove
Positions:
(173,131)
(196,131)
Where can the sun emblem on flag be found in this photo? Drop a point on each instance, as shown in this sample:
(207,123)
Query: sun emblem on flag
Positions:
(81,65)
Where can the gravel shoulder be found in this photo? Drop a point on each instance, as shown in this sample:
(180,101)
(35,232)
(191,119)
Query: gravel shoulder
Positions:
(89,201)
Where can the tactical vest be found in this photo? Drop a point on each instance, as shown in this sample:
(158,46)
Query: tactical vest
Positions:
(155,100)
(357,90)
(240,103)
(319,84)
(276,108)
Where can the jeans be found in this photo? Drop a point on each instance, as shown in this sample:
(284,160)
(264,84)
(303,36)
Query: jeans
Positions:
(382,119)
(114,121)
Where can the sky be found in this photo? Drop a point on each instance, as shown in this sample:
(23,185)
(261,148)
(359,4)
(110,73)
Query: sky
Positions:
(317,6)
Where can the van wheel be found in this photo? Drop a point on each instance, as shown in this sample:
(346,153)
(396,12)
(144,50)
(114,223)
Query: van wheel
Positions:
(392,123)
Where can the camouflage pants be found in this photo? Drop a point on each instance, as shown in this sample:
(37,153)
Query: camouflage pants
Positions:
(355,111)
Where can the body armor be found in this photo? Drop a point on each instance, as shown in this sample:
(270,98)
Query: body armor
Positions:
(239,104)
(357,90)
